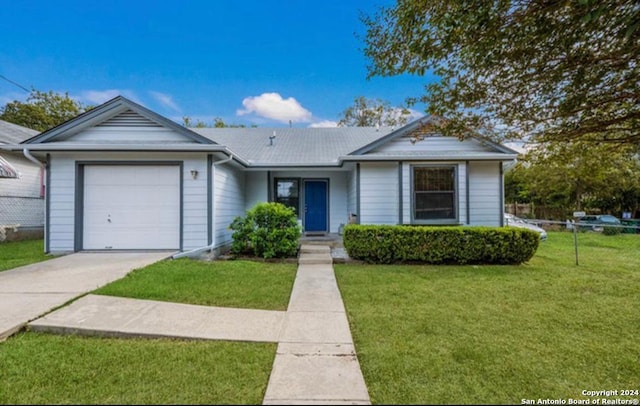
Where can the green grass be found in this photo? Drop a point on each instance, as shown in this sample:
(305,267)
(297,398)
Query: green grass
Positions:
(48,369)
(244,284)
(500,334)
(18,253)
(39,368)
(423,334)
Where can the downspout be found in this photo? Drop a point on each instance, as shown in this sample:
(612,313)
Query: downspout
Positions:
(45,172)
(209,247)
(42,165)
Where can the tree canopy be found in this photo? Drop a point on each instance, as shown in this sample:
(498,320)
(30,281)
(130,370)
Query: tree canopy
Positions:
(42,110)
(577,175)
(563,70)
(217,123)
(369,112)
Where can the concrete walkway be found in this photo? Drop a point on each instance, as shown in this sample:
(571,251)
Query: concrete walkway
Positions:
(30,291)
(315,361)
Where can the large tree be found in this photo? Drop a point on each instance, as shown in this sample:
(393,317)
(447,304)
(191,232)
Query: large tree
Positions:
(369,112)
(549,70)
(577,175)
(42,110)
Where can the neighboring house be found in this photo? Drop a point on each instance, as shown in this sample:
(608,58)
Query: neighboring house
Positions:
(123,177)
(21,187)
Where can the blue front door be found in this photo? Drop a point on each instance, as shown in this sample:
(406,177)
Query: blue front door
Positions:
(315,205)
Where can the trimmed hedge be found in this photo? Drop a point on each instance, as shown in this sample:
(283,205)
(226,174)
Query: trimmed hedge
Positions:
(440,245)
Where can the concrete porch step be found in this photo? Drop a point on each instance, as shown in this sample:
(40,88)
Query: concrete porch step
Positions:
(315,259)
(314,249)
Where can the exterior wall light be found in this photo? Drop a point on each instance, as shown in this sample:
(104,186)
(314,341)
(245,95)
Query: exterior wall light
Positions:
(194,174)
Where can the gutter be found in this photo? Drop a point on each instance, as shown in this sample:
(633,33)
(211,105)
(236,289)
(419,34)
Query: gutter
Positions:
(196,251)
(27,154)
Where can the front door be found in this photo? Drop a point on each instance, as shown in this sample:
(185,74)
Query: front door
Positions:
(315,206)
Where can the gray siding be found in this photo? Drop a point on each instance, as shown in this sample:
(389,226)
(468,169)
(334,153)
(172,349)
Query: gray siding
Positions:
(352,190)
(256,188)
(228,201)
(61,203)
(62,195)
(485,193)
(379,200)
(194,201)
(126,127)
(433,144)
(117,134)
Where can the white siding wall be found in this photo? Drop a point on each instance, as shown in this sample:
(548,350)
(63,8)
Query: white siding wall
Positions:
(62,195)
(256,190)
(407,188)
(379,200)
(484,179)
(20,201)
(228,201)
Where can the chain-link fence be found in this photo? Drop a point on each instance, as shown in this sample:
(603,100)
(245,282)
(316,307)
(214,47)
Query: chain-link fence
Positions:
(21,217)
(631,226)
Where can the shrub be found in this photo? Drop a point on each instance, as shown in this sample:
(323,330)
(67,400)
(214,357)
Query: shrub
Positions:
(268,230)
(440,245)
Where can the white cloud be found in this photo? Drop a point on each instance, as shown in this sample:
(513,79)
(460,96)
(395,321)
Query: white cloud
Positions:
(324,124)
(100,96)
(165,100)
(273,106)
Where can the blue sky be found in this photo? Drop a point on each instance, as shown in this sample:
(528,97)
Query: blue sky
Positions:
(247,62)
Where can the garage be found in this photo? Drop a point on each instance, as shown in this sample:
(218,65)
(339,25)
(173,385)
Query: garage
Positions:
(131,207)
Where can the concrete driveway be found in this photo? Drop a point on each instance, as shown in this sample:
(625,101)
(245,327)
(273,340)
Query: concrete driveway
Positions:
(30,291)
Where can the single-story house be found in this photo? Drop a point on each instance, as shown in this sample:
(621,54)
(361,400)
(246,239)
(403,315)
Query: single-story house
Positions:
(122,177)
(21,187)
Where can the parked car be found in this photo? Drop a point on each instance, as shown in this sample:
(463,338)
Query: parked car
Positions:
(513,221)
(597,222)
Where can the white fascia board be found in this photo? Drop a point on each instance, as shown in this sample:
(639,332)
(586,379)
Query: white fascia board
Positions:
(483,157)
(117,147)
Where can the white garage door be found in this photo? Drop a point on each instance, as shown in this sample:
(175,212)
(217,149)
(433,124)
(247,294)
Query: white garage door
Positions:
(131,207)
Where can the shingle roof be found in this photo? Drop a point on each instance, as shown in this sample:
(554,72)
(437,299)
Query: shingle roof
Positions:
(14,134)
(293,146)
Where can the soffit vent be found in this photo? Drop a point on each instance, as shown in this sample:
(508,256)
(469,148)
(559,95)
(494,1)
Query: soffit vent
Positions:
(129,118)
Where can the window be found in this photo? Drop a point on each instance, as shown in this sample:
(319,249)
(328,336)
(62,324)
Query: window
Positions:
(287,192)
(434,194)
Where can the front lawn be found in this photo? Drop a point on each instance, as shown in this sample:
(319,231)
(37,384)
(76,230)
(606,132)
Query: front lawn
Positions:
(18,253)
(499,334)
(48,369)
(547,329)
(243,284)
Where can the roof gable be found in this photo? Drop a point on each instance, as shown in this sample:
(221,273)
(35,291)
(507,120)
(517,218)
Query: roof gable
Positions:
(101,124)
(420,138)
